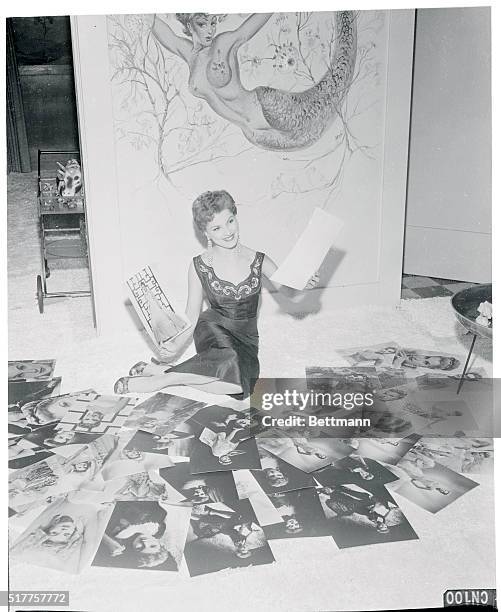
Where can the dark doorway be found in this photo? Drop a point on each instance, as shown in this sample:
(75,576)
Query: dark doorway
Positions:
(41,50)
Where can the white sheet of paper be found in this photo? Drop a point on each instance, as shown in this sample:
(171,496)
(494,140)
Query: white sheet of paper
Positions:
(310,250)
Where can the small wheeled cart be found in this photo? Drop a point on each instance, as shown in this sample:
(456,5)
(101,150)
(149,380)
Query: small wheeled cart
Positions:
(61,210)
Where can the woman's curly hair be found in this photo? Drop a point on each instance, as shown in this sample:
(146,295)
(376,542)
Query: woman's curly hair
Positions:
(186,18)
(208,204)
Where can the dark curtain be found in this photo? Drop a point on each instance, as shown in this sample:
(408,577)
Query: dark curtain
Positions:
(18,156)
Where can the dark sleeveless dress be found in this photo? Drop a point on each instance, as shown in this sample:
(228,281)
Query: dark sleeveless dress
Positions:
(226,336)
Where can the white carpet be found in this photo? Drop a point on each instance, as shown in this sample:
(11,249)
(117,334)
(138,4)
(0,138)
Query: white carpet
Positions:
(456,546)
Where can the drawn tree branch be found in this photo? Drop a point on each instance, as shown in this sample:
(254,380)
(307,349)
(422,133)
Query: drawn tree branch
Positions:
(171,123)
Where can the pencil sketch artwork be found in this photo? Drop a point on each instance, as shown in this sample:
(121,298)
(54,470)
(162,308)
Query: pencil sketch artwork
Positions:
(294,96)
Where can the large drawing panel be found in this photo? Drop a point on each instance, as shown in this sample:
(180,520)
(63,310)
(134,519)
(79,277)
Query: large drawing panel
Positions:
(353,167)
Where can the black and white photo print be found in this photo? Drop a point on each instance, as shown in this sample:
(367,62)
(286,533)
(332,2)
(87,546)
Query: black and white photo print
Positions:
(215,452)
(462,454)
(51,409)
(390,377)
(356,516)
(227,536)
(200,488)
(50,436)
(376,355)
(126,460)
(23,453)
(302,515)
(429,484)
(277,476)
(306,454)
(393,397)
(94,413)
(386,450)
(356,470)
(142,486)
(64,537)
(178,442)
(31,370)
(59,473)
(357,379)
(162,410)
(421,361)
(236,425)
(147,535)
(22,392)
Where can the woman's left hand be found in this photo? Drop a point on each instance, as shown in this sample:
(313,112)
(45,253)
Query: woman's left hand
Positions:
(313,281)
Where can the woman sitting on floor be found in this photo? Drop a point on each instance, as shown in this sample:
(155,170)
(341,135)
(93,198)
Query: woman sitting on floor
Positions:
(228,274)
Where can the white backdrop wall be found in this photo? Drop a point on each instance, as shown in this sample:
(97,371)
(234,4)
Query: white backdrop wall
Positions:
(164,147)
(449,203)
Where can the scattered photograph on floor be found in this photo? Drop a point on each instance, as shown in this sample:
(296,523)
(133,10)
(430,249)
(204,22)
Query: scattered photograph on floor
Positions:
(162,410)
(307,455)
(224,537)
(387,450)
(147,535)
(31,370)
(65,536)
(50,409)
(23,453)
(26,514)
(429,484)
(393,398)
(143,486)
(466,455)
(49,436)
(217,452)
(357,516)
(393,422)
(219,419)
(248,488)
(391,377)
(203,488)
(445,417)
(59,474)
(375,355)
(356,470)
(127,461)
(94,413)
(360,379)
(420,361)
(17,425)
(302,515)
(22,392)
(277,476)
(176,442)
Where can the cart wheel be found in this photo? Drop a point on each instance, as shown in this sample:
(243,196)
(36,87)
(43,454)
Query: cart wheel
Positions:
(40,294)
(47,270)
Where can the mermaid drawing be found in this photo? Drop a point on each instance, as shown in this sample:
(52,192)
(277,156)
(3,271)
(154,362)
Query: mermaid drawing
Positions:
(269,118)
